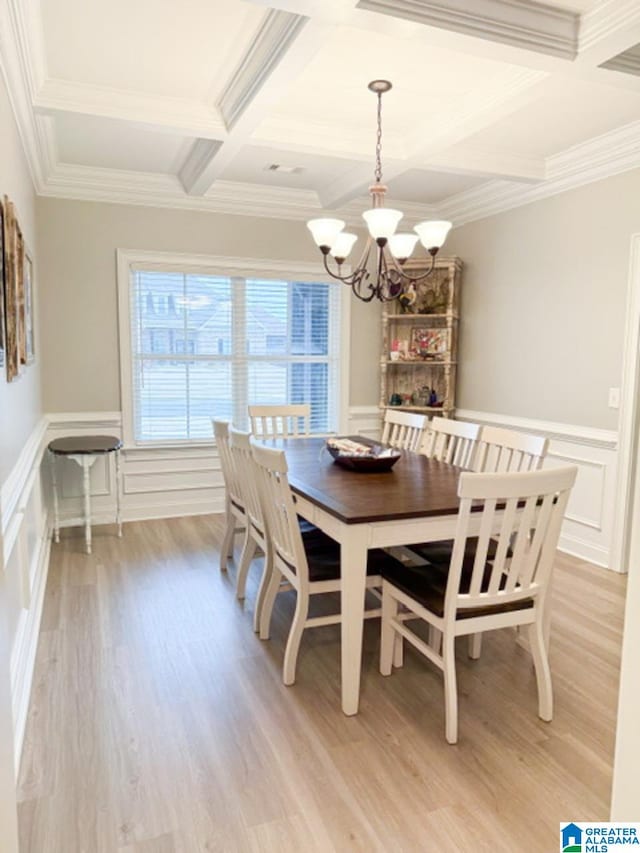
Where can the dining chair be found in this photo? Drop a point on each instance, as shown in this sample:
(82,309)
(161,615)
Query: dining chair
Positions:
(310,567)
(280,421)
(501,450)
(498,450)
(256,540)
(404,430)
(235,516)
(452,441)
(503,590)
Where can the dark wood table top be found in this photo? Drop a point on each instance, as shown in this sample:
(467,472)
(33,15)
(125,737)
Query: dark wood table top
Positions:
(80,444)
(416,486)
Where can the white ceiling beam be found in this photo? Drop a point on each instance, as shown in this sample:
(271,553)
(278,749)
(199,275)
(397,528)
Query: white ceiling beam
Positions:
(611,28)
(154,112)
(282,47)
(530,26)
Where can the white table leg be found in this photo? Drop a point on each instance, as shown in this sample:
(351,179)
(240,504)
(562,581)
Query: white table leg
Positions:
(56,510)
(85,461)
(86,489)
(118,488)
(353,585)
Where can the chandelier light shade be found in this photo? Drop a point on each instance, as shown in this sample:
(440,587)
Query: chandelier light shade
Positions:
(379,273)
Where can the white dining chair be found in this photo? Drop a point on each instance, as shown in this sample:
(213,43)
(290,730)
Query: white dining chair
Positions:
(501,450)
(502,590)
(291,421)
(452,441)
(310,567)
(256,541)
(255,538)
(404,430)
(235,517)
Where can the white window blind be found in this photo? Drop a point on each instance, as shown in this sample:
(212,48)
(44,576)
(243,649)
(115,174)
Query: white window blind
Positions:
(205,345)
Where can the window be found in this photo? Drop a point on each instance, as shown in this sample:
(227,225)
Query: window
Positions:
(203,344)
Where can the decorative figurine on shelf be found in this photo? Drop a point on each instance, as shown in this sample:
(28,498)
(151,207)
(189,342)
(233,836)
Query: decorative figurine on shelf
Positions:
(433,398)
(407,299)
(395,400)
(421,396)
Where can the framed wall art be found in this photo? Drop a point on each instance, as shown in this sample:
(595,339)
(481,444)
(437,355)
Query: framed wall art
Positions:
(29,309)
(2,320)
(10,291)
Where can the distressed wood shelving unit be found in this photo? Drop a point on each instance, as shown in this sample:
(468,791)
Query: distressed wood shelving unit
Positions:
(426,335)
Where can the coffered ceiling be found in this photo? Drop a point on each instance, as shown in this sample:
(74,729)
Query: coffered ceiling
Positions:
(261,106)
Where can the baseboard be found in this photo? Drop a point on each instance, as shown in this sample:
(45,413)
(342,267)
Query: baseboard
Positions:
(585,551)
(26,645)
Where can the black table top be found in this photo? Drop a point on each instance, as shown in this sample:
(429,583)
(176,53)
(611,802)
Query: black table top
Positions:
(80,444)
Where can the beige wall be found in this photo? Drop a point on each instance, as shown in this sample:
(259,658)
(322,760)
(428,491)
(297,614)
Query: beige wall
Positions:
(543,304)
(19,400)
(78,242)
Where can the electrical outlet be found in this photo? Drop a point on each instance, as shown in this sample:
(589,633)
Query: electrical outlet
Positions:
(614,398)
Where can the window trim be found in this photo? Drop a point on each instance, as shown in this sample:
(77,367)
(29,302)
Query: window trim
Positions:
(128,260)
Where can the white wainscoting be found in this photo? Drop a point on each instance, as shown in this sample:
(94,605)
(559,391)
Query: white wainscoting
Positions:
(156,482)
(166,482)
(26,543)
(588,528)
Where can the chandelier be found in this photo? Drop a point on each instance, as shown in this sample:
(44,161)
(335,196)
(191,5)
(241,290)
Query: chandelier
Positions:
(380,272)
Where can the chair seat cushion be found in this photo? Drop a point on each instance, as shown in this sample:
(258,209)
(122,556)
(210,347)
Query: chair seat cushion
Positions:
(428,584)
(323,558)
(439,553)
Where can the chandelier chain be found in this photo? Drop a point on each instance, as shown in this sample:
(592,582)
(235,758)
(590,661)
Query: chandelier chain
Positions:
(378,172)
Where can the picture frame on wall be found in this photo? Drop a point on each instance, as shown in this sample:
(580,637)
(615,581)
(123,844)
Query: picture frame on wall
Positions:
(29,308)
(20,298)
(10,291)
(2,267)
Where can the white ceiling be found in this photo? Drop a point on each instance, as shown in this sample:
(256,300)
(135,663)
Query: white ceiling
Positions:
(188,106)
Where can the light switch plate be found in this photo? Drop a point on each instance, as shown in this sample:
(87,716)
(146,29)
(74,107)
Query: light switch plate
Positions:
(614,398)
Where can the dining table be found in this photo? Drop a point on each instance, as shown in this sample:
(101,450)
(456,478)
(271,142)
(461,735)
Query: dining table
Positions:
(415,501)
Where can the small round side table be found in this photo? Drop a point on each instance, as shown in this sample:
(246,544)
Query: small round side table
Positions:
(84,449)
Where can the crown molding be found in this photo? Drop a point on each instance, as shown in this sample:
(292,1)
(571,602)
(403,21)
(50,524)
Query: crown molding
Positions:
(272,41)
(605,21)
(83,183)
(165,114)
(599,158)
(627,62)
(520,23)
(21,73)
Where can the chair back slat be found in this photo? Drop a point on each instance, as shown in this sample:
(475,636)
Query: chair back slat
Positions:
(452,441)
(532,506)
(404,430)
(482,550)
(240,447)
(501,450)
(227,464)
(280,421)
(280,513)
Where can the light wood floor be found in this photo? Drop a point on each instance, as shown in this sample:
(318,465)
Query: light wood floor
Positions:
(159,724)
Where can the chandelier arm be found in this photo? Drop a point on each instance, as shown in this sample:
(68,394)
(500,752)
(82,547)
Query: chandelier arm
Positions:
(392,283)
(411,279)
(343,278)
(358,284)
